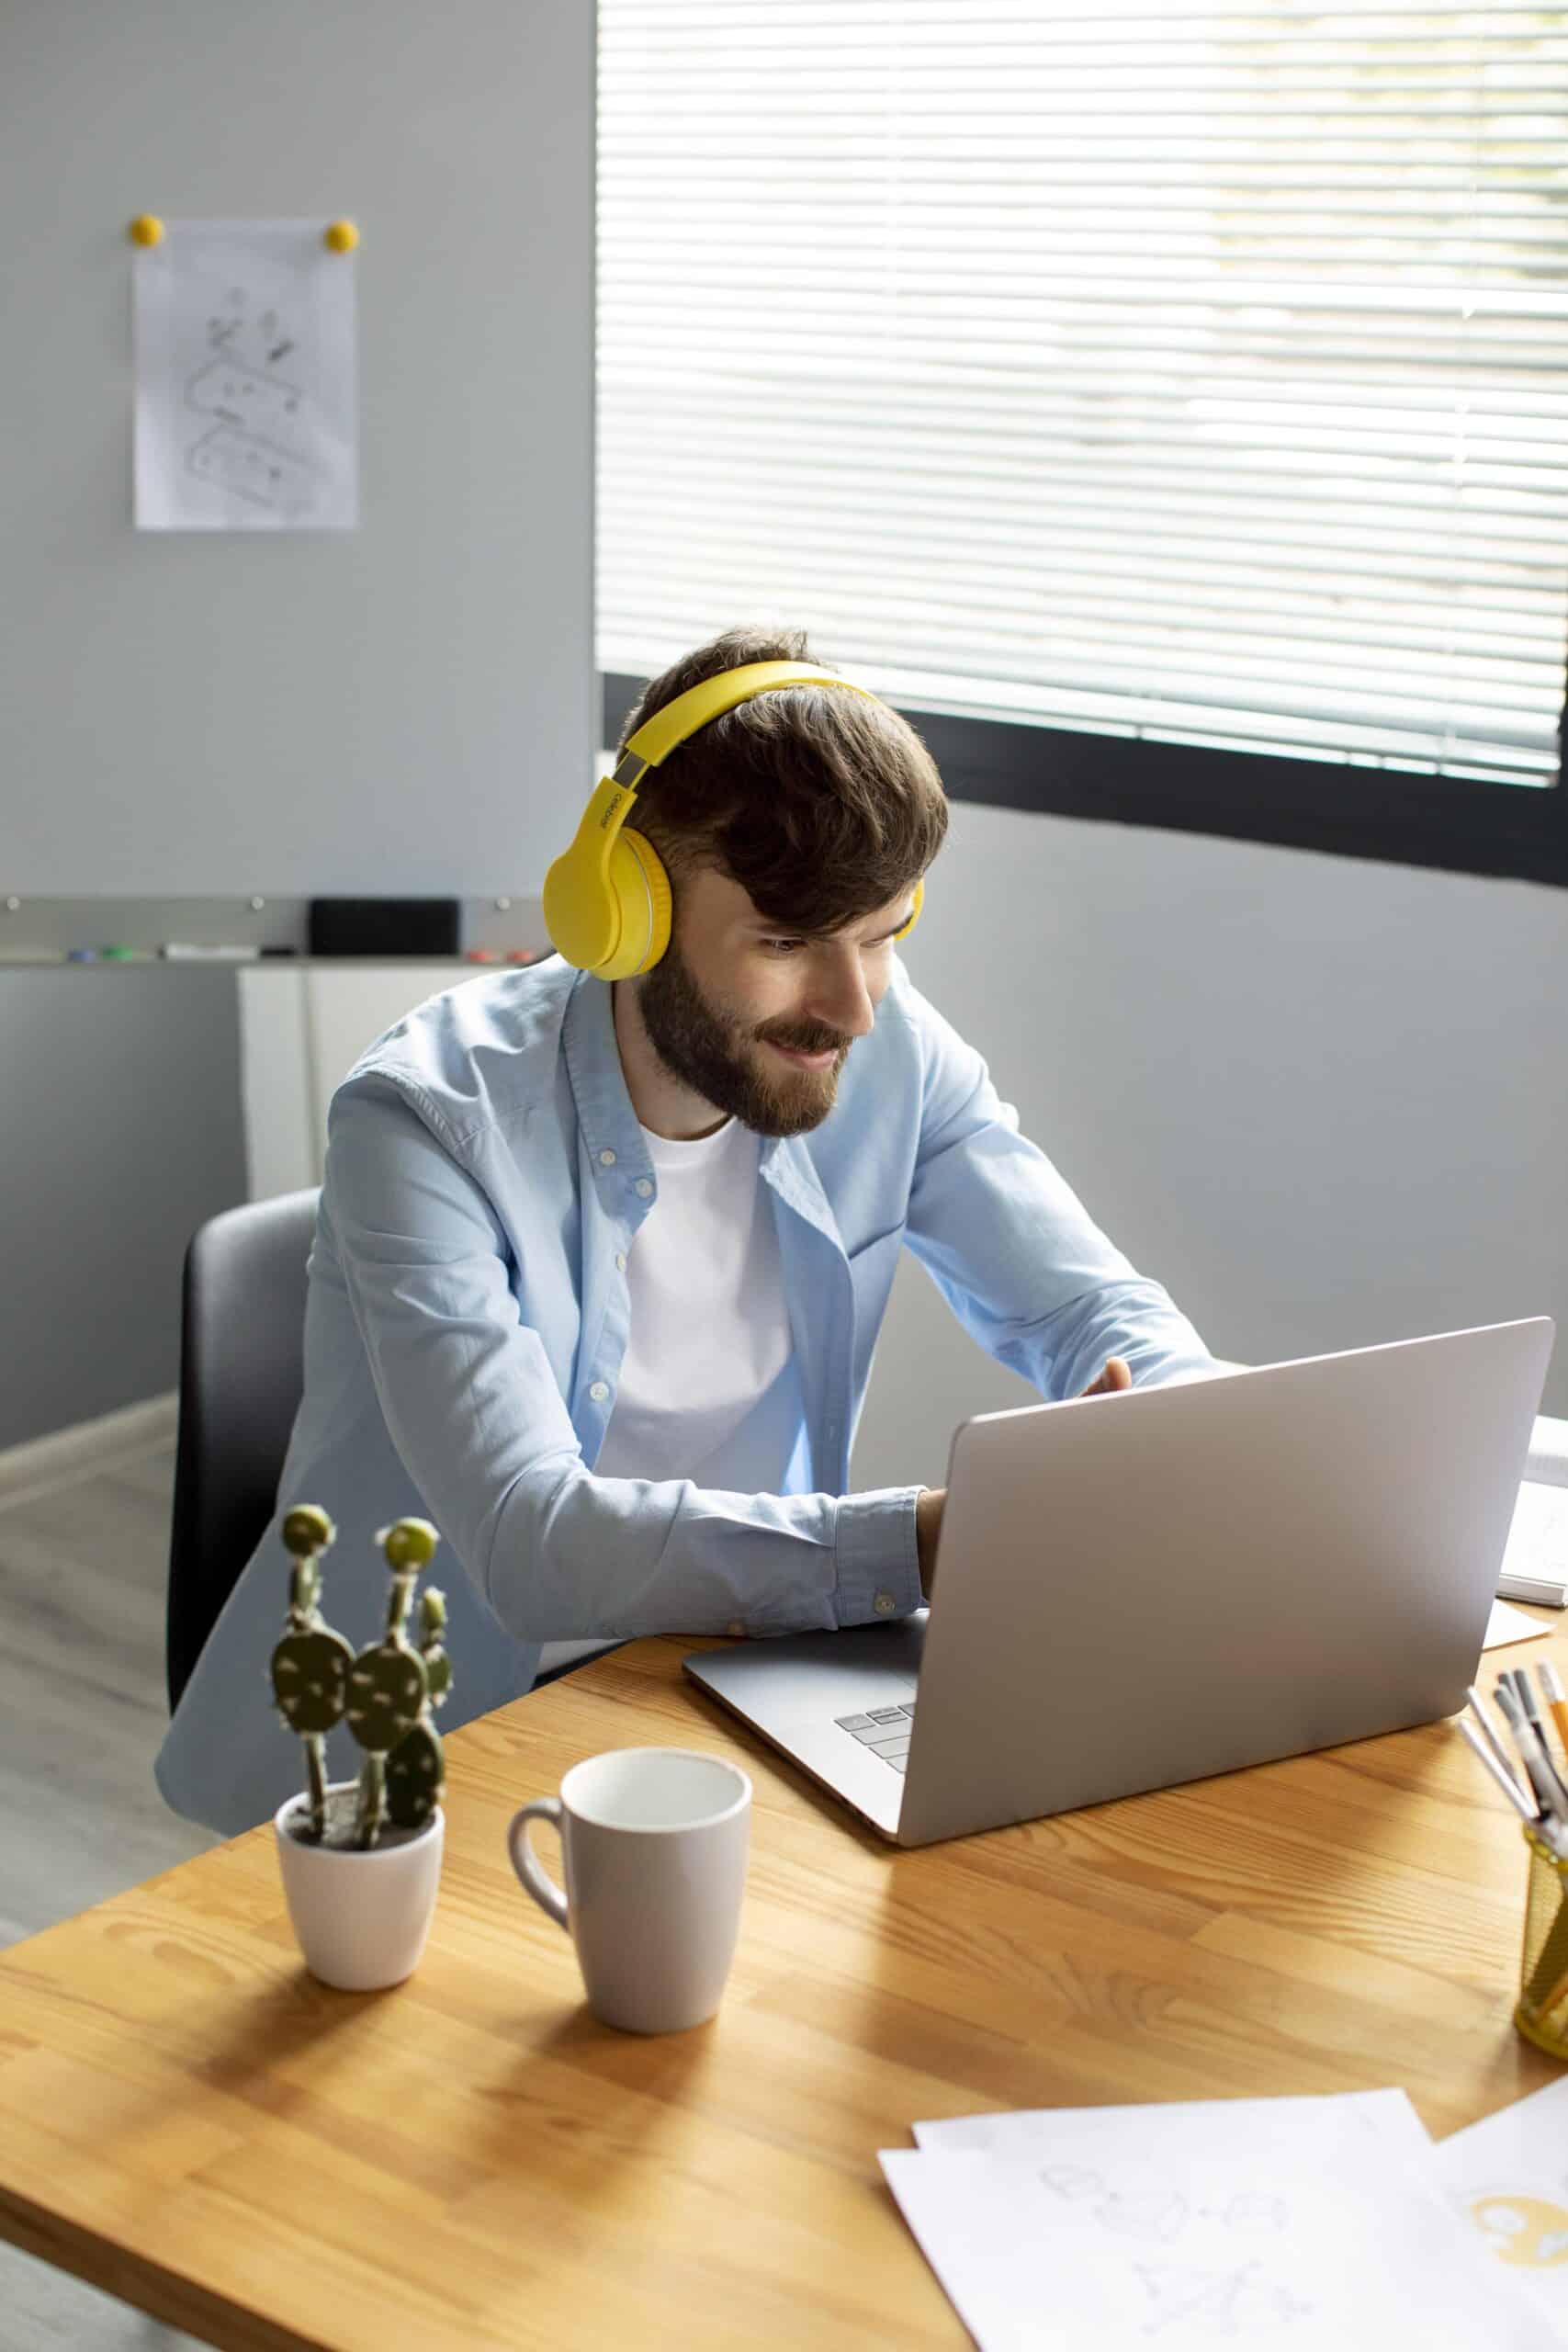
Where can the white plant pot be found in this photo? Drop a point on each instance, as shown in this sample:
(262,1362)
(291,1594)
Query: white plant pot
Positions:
(361,1919)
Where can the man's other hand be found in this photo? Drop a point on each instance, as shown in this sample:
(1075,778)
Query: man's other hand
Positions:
(930,1503)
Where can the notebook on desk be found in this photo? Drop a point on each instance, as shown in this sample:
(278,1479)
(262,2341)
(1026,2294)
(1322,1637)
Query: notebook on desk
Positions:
(1139,1589)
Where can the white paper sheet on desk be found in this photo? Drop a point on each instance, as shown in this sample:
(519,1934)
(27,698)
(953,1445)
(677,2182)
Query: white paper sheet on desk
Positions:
(1311,2224)
(1324,2120)
(1509,1625)
(1509,2176)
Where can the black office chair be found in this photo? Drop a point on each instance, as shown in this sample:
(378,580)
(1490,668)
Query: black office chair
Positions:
(241,1376)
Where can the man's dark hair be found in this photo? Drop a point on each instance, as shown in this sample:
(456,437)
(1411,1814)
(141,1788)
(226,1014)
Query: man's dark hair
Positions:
(823,805)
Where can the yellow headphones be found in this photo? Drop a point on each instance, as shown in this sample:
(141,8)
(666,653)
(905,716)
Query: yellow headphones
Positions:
(607,898)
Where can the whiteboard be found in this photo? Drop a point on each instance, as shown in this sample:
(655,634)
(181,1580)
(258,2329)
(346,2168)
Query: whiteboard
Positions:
(407,709)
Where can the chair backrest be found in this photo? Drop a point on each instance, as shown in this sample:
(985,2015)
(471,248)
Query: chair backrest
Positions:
(242,1375)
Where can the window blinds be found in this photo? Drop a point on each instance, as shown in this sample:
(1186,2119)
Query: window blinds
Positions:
(1194,373)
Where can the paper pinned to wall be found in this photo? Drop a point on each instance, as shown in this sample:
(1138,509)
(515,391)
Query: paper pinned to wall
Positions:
(245,393)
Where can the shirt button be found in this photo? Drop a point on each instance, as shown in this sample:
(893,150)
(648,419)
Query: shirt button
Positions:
(884,1604)
(735,1627)
(644,1188)
(620,1262)
(600,1390)
(606,1160)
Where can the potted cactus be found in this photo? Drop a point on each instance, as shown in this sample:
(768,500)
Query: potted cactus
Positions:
(361,1859)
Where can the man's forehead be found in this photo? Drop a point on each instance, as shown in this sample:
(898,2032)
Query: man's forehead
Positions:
(735,900)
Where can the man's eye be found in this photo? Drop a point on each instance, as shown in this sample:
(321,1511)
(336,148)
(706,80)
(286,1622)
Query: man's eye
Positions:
(782,946)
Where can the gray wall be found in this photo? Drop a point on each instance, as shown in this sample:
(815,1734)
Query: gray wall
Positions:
(400,709)
(1321,1099)
(406,709)
(121,1134)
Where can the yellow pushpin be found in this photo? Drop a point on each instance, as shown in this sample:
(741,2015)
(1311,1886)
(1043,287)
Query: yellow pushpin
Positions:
(342,236)
(147,229)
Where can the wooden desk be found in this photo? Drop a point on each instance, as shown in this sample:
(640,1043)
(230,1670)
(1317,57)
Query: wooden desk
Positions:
(190,2121)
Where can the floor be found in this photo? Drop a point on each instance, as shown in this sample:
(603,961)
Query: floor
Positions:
(83,1553)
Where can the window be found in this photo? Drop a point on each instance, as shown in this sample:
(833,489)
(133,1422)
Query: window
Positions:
(1165,404)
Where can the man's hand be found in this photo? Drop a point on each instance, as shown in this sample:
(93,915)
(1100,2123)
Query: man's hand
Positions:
(928,1505)
(931,1501)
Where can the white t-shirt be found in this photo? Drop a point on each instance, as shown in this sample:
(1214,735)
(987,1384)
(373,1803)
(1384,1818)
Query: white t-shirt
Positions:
(708,1388)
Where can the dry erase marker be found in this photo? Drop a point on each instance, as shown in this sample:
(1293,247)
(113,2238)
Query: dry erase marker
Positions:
(186,952)
(1538,1771)
(1525,1695)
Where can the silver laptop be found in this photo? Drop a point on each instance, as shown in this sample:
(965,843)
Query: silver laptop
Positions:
(1138,1590)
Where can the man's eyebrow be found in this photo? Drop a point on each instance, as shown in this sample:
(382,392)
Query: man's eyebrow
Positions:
(766,929)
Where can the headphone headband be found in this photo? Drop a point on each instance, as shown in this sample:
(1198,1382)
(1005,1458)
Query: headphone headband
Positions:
(710,699)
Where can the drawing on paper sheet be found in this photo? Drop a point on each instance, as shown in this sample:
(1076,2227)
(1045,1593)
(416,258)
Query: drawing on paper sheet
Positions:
(1530,2230)
(1228,2303)
(1160,2213)
(262,422)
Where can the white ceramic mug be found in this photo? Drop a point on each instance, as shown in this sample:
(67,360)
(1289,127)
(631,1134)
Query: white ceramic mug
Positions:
(655,1841)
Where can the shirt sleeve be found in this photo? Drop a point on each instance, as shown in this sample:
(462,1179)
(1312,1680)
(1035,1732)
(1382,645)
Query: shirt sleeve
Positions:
(475,1410)
(1012,1248)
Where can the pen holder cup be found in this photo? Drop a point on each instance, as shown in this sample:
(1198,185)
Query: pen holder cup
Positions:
(1543,2012)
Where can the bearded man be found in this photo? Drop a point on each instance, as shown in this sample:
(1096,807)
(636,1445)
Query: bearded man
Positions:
(600,1264)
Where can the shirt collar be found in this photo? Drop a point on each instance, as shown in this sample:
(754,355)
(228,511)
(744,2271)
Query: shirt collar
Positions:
(606,1119)
(607,1122)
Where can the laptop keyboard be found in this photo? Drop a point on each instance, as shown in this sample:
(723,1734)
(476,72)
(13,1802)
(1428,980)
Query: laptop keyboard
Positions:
(885,1731)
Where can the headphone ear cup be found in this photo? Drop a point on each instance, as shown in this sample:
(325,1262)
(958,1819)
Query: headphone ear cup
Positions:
(642,893)
(919,900)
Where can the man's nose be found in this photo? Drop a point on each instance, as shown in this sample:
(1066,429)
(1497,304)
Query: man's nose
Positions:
(842,1001)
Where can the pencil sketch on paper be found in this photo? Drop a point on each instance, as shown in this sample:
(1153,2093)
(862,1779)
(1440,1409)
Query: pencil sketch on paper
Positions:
(263,421)
(1160,2213)
(1228,2303)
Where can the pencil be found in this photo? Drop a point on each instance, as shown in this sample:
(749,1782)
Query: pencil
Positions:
(1551,1683)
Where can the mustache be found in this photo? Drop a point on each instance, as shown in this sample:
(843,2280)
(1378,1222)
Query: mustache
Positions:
(804,1038)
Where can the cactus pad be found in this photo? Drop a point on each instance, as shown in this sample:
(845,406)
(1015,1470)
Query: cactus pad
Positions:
(387,1692)
(416,1772)
(432,1625)
(409,1543)
(306,1529)
(309,1679)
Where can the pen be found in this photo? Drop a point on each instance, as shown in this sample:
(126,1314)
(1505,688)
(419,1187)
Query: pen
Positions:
(1478,1710)
(1525,1692)
(1504,1781)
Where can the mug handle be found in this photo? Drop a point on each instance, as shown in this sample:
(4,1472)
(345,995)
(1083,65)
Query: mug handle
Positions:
(536,1879)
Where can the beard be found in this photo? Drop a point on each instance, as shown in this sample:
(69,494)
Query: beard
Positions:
(717,1057)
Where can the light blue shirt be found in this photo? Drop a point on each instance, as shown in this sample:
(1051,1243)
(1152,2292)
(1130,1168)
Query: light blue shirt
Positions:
(468,1315)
